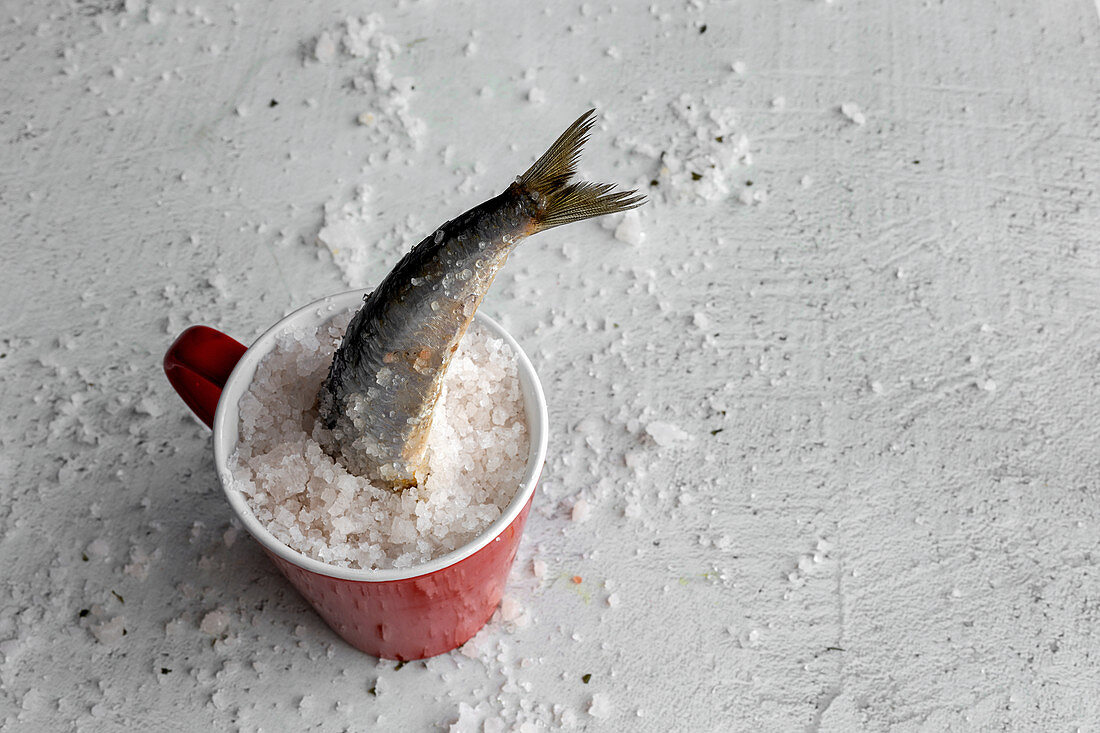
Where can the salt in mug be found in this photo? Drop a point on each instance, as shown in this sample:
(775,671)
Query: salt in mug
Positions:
(395,613)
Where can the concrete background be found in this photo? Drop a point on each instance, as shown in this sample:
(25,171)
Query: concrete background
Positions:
(883,354)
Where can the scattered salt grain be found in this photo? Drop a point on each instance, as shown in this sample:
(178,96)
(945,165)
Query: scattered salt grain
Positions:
(149,406)
(138,567)
(738,67)
(629,229)
(538,568)
(536,96)
(581,511)
(600,706)
(214,623)
(666,434)
(325,48)
(468,720)
(852,112)
(175,626)
(110,631)
(9,648)
(510,609)
(705,159)
(98,548)
(613,600)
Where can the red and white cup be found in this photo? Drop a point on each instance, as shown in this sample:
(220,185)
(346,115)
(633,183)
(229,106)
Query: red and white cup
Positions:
(406,613)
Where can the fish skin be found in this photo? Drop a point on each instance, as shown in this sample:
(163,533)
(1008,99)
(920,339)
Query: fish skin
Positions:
(385,379)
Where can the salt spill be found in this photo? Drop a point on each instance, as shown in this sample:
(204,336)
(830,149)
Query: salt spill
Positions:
(478,445)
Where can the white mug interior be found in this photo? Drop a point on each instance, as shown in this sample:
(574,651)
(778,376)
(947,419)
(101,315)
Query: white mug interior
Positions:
(226,422)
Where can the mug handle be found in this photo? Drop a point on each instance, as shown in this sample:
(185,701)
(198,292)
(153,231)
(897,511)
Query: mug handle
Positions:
(198,363)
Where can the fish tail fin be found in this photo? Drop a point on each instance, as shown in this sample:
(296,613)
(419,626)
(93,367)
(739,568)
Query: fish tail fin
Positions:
(560,201)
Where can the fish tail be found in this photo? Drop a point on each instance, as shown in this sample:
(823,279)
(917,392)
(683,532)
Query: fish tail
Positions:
(561,201)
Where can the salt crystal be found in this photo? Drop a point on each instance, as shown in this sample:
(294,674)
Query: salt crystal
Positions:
(666,434)
(110,631)
(150,407)
(468,720)
(600,706)
(510,609)
(9,648)
(629,229)
(581,511)
(738,67)
(613,600)
(325,49)
(538,568)
(536,96)
(214,623)
(852,112)
(138,567)
(98,548)
(175,626)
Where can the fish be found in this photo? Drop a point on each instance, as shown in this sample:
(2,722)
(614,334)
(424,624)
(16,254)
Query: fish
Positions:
(377,401)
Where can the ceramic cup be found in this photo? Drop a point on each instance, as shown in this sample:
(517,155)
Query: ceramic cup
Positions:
(406,613)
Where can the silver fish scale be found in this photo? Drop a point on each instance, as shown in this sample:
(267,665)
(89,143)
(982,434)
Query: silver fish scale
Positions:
(387,374)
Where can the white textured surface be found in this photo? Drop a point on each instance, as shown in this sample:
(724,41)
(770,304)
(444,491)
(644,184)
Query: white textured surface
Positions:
(894,330)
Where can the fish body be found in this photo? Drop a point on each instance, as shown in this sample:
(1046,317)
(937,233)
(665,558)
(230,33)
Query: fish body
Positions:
(385,379)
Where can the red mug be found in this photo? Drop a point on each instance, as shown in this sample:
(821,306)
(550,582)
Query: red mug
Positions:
(402,613)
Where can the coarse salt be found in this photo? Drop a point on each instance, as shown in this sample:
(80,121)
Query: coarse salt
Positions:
(665,434)
(110,631)
(214,623)
(478,447)
(600,706)
(629,230)
(852,111)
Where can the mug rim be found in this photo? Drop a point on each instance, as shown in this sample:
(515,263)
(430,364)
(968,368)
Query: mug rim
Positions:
(226,435)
